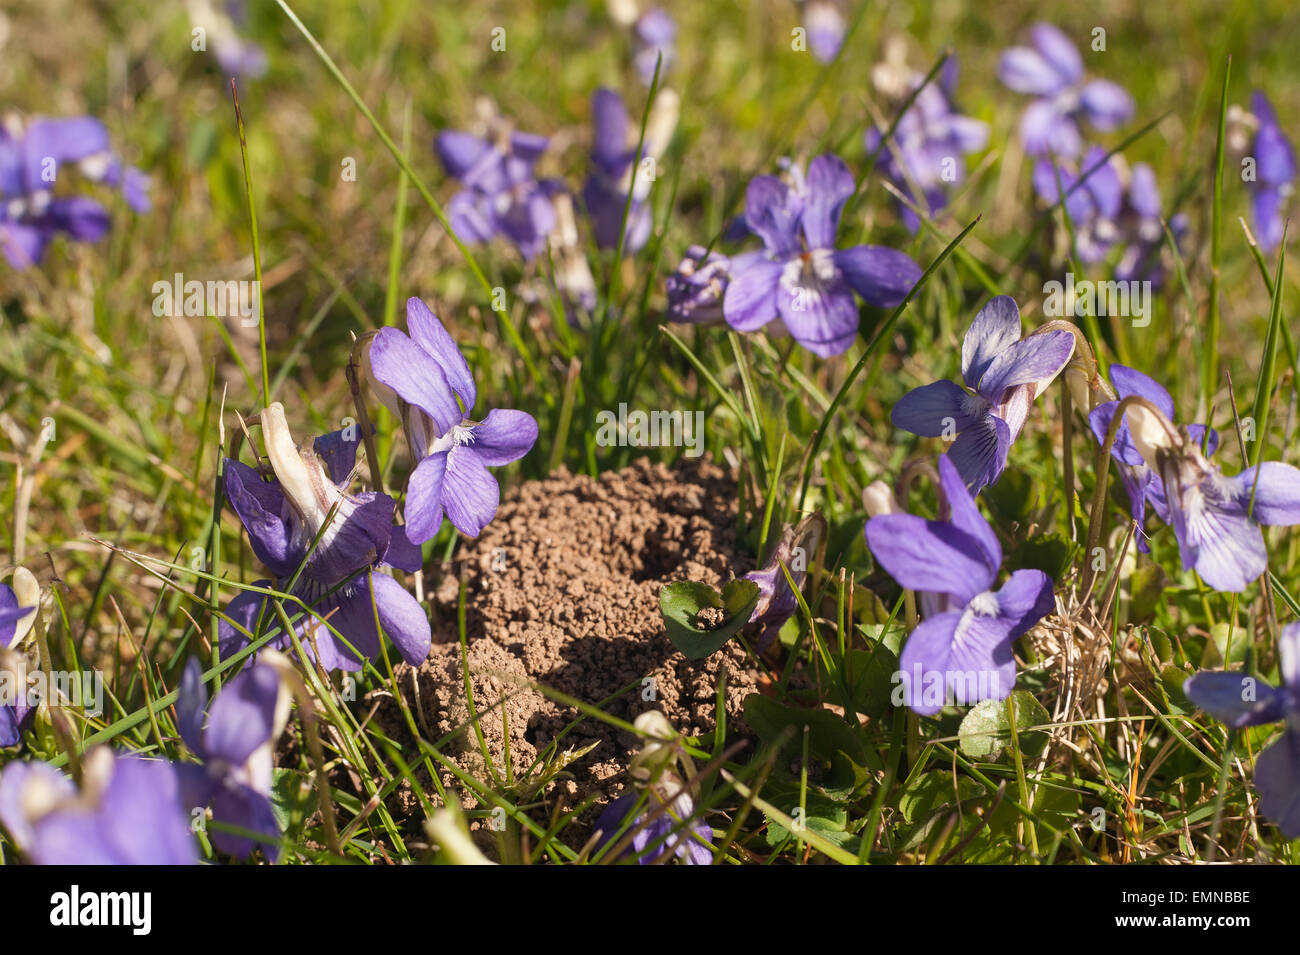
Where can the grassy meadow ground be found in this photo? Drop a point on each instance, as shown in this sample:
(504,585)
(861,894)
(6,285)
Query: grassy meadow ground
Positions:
(114,505)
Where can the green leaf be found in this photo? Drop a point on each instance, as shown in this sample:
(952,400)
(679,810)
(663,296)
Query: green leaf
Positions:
(825,816)
(985,731)
(293,799)
(935,790)
(868,677)
(682,601)
(828,734)
(1147,586)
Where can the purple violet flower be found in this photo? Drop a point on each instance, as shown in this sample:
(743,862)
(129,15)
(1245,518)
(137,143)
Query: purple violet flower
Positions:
(696,288)
(672,832)
(777,602)
(1004,374)
(426,382)
(654,34)
(233,739)
(16,618)
(128,812)
(825,28)
(614,162)
(502,196)
(1141,230)
(32,162)
(342,579)
(684,843)
(1141,483)
(930,140)
(1052,70)
(1239,701)
(1274,173)
(1094,206)
(1215,518)
(801,277)
(964,653)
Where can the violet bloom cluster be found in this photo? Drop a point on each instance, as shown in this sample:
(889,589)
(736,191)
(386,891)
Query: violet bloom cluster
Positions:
(1111,207)
(306,503)
(801,277)
(1141,483)
(1094,199)
(1274,173)
(128,811)
(1051,70)
(424,379)
(925,157)
(963,653)
(15,620)
(1141,231)
(620,180)
(502,195)
(1003,374)
(233,740)
(1240,701)
(34,160)
(1216,518)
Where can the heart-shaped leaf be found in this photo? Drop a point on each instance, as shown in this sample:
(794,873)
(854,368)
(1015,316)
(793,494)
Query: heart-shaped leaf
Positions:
(692,632)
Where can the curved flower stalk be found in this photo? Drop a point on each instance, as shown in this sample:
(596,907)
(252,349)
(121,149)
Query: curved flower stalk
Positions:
(963,653)
(924,158)
(1239,701)
(502,194)
(1274,173)
(424,380)
(664,827)
(1141,483)
(1215,518)
(18,606)
(777,602)
(233,740)
(801,277)
(128,811)
(615,165)
(341,577)
(33,161)
(1004,374)
(1051,70)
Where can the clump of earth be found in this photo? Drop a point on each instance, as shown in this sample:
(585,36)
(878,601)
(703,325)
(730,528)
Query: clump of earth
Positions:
(562,589)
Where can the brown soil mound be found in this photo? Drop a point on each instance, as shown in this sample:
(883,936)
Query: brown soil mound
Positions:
(563,589)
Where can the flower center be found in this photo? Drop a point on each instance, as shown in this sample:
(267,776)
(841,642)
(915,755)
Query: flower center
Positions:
(985,604)
(459,434)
